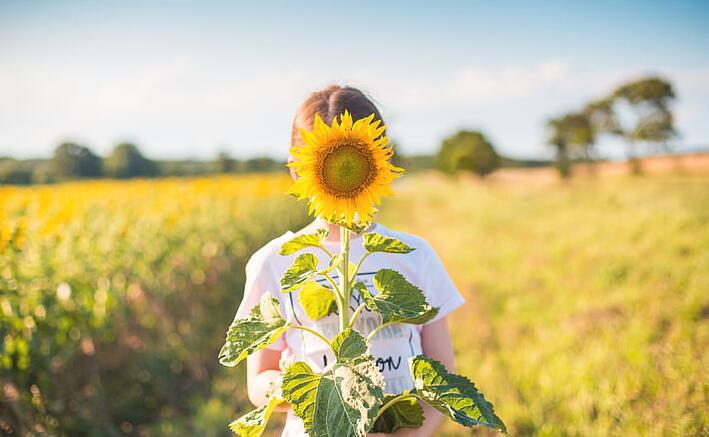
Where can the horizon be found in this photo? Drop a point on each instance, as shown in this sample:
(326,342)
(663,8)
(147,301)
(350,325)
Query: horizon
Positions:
(190,80)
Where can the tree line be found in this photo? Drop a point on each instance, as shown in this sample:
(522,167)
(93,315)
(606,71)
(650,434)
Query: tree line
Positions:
(637,112)
(75,161)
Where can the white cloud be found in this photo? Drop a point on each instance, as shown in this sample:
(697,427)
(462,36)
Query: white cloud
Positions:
(480,84)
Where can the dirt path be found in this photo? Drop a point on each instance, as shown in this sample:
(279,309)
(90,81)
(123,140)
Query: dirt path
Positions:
(691,163)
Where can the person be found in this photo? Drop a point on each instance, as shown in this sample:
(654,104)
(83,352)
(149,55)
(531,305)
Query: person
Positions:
(391,346)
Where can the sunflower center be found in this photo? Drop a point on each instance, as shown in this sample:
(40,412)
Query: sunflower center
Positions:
(347,169)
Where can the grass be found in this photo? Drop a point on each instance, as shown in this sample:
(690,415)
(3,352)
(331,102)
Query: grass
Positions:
(587,302)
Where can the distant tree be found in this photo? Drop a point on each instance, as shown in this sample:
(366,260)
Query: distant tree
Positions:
(650,121)
(224,163)
(43,173)
(186,167)
(602,117)
(72,160)
(467,151)
(574,137)
(419,162)
(263,164)
(14,172)
(557,139)
(125,161)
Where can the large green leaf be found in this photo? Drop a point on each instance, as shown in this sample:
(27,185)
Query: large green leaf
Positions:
(341,402)
(451,394)
(253,423)
(350,346)
(381,243)
(404,413)
(300,388)
(398,299)
(245,336)
(302,241)
(316,300)
(304,268)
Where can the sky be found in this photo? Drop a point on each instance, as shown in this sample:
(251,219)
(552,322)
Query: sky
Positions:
(188,79)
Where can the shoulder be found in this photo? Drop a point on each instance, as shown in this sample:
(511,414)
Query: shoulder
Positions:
(424,268)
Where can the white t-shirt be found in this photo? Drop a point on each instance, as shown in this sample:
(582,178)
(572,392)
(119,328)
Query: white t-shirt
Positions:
(392,346)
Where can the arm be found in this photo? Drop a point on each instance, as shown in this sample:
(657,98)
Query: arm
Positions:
(262,375)
(436,343)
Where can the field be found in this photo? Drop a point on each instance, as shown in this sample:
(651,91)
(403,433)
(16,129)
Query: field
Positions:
(588,304)
(587,312)
(115,297)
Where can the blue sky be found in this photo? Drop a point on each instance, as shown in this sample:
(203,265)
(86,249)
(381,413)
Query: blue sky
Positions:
(188,79)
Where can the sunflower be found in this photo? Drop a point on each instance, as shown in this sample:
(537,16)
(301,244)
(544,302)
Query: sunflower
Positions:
(344,169)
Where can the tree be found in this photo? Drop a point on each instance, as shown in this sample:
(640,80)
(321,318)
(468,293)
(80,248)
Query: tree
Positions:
(43,172)
(602,117)
(467,151)
(574,137)
(557,139)
(14,172)
(74,161)
(224,163)
(262,164)
(647,102)
(126,161)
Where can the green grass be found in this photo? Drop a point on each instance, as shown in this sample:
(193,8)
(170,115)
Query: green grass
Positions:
(587,303)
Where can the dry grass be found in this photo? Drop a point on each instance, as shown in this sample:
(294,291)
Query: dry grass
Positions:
(587,301)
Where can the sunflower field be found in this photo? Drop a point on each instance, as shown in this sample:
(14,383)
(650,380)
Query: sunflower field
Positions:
(587,302)
(114,297)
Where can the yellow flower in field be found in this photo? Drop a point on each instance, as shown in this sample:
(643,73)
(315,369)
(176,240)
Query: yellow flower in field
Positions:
(344,169)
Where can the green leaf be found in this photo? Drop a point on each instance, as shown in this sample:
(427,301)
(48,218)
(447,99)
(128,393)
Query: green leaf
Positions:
(300,388)
(302,241)
(398,299)
(341,402)
(304,268)
(245,336)
(451,394)
(381,243)
(349,345)
(404,413)
(253,423)
(316,300)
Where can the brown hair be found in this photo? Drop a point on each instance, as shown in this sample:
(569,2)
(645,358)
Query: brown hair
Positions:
(330,102)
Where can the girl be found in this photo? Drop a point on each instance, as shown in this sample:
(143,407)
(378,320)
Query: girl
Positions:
(393,345)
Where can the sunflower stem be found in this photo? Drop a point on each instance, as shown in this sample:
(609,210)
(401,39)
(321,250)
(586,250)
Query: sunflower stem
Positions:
(357,267)
(344,278)
(377,329)
(353,319)
(312,331)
